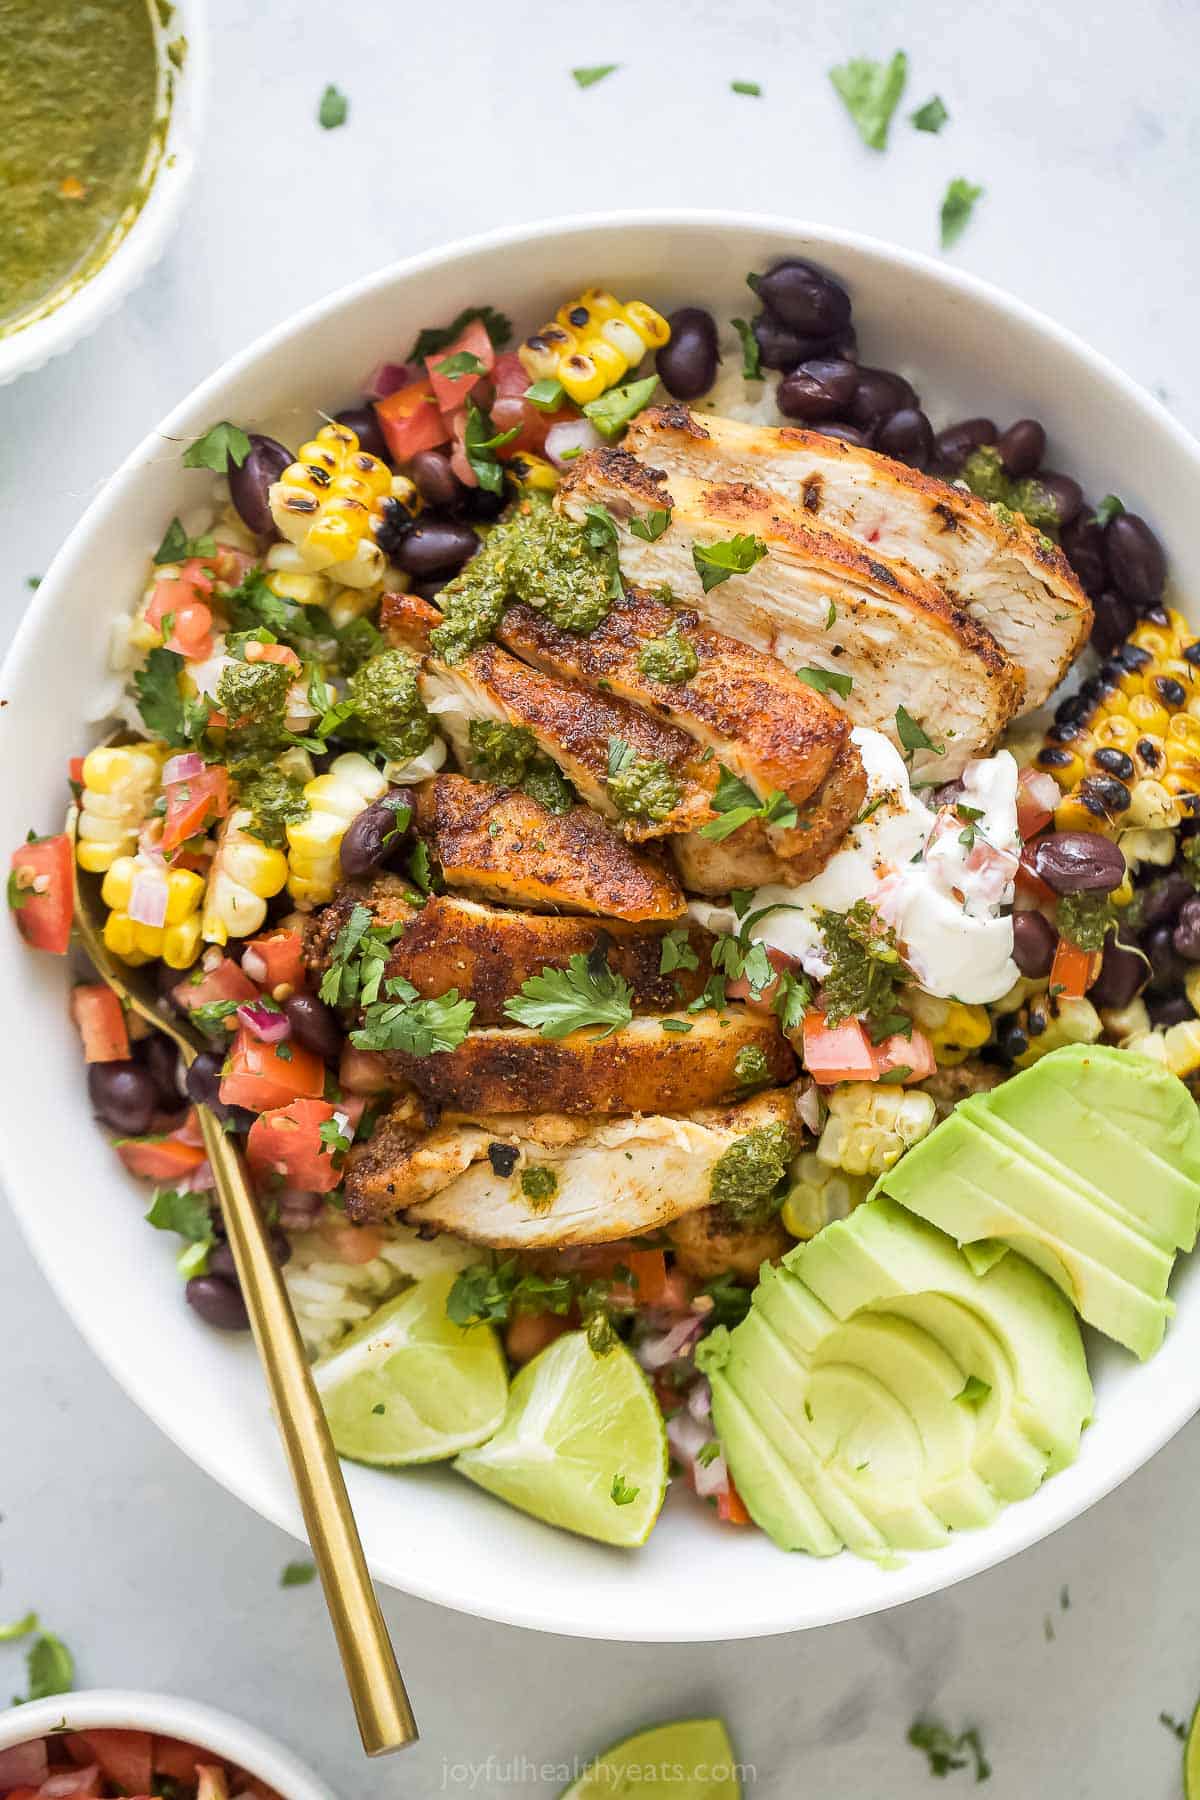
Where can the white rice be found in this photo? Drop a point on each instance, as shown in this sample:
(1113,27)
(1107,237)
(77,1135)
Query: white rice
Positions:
(329,1298)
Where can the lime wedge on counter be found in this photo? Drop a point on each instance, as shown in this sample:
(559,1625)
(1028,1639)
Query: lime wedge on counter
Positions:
(410,1386)
(582,1445)
(1191,1759)
(690,1759)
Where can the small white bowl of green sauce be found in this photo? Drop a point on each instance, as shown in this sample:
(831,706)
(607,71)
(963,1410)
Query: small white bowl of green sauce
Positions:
(103,109)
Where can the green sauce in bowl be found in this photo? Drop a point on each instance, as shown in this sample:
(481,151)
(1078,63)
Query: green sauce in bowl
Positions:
(79,95)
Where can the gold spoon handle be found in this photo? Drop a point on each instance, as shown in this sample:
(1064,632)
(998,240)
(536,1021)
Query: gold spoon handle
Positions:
(385,1719)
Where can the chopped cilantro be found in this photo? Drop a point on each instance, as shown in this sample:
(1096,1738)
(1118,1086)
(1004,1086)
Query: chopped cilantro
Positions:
(49,1667)
(177,546)
(913,737)
(871,93)
(958,203)
(588,77)
(737,804)
(481,441)
(947,1752)
(751,353)
(419,1027)
(439,337)
(1109,508)
(165,713)
(463,362)
(358,960)
(737,555)
(18,1628)
(730,1301)
(867,972)
(621,1493)
(753,88)
(930,117)
(483,1295)
(333,108)
(1086,919)
(651,528)
(827,681)
(675,952)
(297,1574)
(220,446)
(586,992)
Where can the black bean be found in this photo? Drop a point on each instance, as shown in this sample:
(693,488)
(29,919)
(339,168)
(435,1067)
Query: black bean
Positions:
(817,389)
(880,392)
(1159,945)
(1114,618)
(781,348)
(1169,1009)
(1185,939)
(218,1302)
(435,547)
(124,1095)
(1022,447)
(1079,862)
(1161,901)
(1083,547)
(687,362)
(906,435)
(429,590)
(362,421)
(314,1025)
(1124,972)
(1012,1039)
(394,524)
(845,433)
(1065,493)
(1135,557)
(805,298)
(377,832)
(954,443)
(203,1082)
(161,1058)
(435,480)
(222,1265)
(478,503)
(1034,943)
(248,483)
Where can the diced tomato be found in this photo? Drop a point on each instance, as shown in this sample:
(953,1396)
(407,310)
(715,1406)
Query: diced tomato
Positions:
(762,1001)
(835,1053)
(224,982)
(159,1158)
(273,653)
(41,894)
(288,1142)
(649,1268)
(264,1076)
(1074,970)
(101,1021)
(352,1243)
(1037,797)
(509,376)
(175,1759)
(452,393)
(914,1053)
(124,1757)
(457,423)
(191,587)
(231,566)
(25,1793)
(189,1132)
(75,770)
(192,803)
(282,955)
(529,1334)
(410,421)
(731,1508)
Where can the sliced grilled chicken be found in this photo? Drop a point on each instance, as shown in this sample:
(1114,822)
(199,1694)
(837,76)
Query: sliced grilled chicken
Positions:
(817,599)
(574,726)
(389,899)
(1010,578)
(640,1068)
(497,844)
(746,709)
(616,1178)
(709,1243)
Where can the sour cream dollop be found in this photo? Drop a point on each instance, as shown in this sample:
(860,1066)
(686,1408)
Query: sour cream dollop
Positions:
(938,878)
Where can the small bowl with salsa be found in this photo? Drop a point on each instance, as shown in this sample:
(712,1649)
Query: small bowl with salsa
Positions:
(103,109)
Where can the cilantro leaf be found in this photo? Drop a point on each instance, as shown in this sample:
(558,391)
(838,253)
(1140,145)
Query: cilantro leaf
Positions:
(165,713)
(715,563)
(600,528)
(588,77)
(297,1574)
(947,1752)
(621,1494)
(463,362)
(439,337)
(546,395)
(751,351)
(481,441)
(223,444)
(611,412)
(731,1301)
(333,108)
(826,681)
(188,1214)
(50,1668)
(752,88)
(651,528)
(358,960)
(913,737)
(1109,508)
(738,804)
(871,93)
(559,1001)
(18,1628)
(958,203)
(930,117)
(177,545)
(417,1027)
(483,1295)
(676,952)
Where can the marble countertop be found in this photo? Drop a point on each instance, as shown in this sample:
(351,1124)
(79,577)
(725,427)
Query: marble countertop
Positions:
(1084,132)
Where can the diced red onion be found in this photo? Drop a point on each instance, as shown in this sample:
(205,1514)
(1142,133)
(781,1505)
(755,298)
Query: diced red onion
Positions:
(182,768)
(571,436)
(666,1347)
(686,1436)
(266,1023)
(809,1109)
(148,898)
(386,377)
(254,966)
(198,1180)
(25,1765)
(71,1781)
(150,841)
(1041,790)
(699,1400)
(298,1209)
(710,1477)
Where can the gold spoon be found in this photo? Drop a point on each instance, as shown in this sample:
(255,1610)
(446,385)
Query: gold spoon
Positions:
(381,1706)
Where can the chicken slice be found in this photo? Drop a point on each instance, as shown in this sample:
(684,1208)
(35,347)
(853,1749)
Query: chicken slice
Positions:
(816,599)
(709,1243)
(640,1068)
(498,844)
(574,726)
(1011,578)
(388,898)
(616,1178)
(746,709)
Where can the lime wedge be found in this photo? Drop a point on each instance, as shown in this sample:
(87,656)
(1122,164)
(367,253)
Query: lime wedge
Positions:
(1191,1759)
(690,1759)
(410,1386)
(582,1444)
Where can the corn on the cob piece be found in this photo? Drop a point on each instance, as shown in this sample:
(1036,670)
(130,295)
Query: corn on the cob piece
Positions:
(592,343)
(818,1194)
(870,1127)
(1147,845)
(965,1028)
(1053,1024)
(533,473)
(120,782)
(177,939)
(349,785)
(1177,1048)
(329,503)
(245,873)
(1126,748)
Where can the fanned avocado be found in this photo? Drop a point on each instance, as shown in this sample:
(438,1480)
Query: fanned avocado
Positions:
(1088,1163)
(880,1394)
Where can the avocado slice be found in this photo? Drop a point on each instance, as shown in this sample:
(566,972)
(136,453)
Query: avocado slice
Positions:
(880,1394)
(1088,1163)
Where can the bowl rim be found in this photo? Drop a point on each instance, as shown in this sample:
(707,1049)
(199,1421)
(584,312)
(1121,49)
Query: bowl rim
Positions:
(135,253)
(922,1574)
(166,1715)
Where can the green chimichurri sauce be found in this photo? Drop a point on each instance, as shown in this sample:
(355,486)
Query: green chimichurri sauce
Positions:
(78,97)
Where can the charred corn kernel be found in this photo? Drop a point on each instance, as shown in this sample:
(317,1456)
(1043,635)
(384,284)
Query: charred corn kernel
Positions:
(533,473)
(406,494)
(1023,989)
(1148,715)
(870,1127)
(818,1194)
(1182,782)
(1072,815)
(1191,987)
(541,354)
(928,1011)
(1182,1046)
(347,604)
(1150,1044)
(322,503)
(245,873)
(1147,845)
(650,326)
(1124,1022)
(1068,1021)
(119,786)
(1066,766)
(1152,808)
(581,379)
(314,843)
(964,1029)
(305,590)
(592,343)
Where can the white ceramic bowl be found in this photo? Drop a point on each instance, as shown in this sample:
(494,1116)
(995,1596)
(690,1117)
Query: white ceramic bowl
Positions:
(62,320)
(115,1710)
(970,350)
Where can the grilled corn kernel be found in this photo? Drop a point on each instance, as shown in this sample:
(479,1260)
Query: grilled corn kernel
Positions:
(1147,845)
(245,873)
(580,378)
(1150,1044)
(1182,1046)
(348,603)
(533,473)
(592,343)
(1124,1022)
(541,354)
(119,785)
(818,1194)
(1068,1021)
(322,503)
(314,843)
(305,590)
(870,1127)
(964,1029)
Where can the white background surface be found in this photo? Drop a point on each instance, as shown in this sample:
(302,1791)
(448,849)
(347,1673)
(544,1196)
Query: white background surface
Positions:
(1081,123)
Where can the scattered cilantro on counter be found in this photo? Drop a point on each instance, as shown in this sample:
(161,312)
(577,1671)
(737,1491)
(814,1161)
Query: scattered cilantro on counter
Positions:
(958,204)
(871,92)
(333,109)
